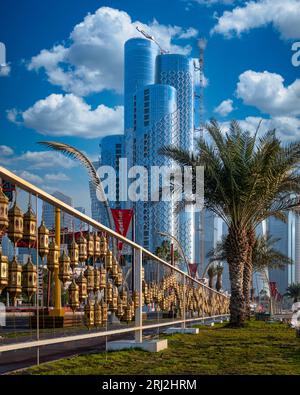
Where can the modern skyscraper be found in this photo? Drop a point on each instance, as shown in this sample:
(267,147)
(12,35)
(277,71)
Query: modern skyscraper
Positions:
(177,71)
(49,214)
(153,119)
(140,55)
(111,150)
(285,232)
(155,107)
(297,248)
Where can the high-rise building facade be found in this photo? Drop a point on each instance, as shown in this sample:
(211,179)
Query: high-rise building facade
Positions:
(285,233)
(155,107)
(177,71)
(111,151)
(49,212)
(151,78)
(139,61)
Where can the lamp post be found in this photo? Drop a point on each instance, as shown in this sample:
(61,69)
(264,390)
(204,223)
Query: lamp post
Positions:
(166,234)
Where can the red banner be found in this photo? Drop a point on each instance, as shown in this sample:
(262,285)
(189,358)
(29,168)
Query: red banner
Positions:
(273,289)
(122,220)
(193,269)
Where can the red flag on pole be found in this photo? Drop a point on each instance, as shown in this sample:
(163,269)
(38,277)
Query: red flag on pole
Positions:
(193,269)
(122,220)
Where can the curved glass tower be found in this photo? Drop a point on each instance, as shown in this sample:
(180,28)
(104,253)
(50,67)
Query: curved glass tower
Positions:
(177,71)
(156,110)
(159,111)
(140,55)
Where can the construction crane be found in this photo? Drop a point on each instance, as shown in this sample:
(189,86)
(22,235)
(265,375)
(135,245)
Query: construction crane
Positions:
(149,37)
(200,69)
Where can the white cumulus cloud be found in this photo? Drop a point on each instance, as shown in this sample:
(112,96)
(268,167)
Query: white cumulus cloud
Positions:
(44,160)
(209,3)
(267,92)
(69,115)
(5,70)
(93,61)
(30,177)
(224,108)
(5,150)
(287,128)
(54,177)
(283,15)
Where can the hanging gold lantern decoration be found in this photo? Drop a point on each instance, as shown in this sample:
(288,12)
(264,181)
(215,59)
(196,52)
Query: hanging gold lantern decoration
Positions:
(108,260)
(15,226)
(53,257)
(29,231)
(43,244)
(96,279)
(14,279)
(89,317)
(102,278)
(74,254)
(104,310)
(4,201)
(119,278)
(132,308)
(136,299)
(143,274)
(82,244)
(115,267)
(90,245)
(128,314)
(64,268)
(123,296)
(73,295)
(3,271)
(109,293)
(29,280)
(120,310)
(97,248)
(114,302)
(82,285)
(97,314)
(103,246)
(89,275)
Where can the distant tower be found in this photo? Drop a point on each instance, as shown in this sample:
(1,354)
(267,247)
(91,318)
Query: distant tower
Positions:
(200,217)
(177,71)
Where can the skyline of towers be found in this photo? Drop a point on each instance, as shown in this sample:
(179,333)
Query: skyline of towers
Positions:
(158,101)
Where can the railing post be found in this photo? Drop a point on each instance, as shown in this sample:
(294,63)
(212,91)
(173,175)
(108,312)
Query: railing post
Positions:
(184,301)
(138,265)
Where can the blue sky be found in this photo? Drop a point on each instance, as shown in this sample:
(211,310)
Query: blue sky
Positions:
(64,76)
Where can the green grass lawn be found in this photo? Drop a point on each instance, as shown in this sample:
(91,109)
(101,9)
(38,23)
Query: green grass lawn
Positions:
(260,348)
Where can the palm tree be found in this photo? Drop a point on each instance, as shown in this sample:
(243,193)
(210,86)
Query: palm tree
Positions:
(164,251)
(293,291)
(265,255)
(219,272)
(74,153)
(247,179)
(211,272)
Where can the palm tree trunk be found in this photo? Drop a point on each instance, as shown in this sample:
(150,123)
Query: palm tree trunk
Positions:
(219,282)
(236,247)
(248,271)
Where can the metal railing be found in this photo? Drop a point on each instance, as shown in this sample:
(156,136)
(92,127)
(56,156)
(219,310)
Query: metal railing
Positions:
(196,295)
